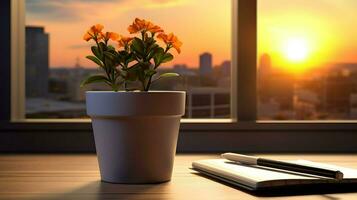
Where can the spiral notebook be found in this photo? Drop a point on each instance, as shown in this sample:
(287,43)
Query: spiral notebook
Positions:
(258,178)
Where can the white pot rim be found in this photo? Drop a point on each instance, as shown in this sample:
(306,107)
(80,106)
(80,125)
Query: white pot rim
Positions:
(153,103)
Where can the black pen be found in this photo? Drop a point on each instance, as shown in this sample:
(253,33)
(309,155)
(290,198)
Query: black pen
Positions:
(251,160)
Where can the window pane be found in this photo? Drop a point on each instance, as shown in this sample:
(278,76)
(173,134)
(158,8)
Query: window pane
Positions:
(307,55)
(55,52)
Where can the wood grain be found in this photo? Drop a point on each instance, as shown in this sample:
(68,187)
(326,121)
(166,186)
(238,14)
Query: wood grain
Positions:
(62,177)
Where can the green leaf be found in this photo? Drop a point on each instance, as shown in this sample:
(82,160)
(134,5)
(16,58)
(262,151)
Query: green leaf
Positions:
(102,46)
(150,42)
(96,51)
(109,63)
(95,60)
(123,53)
(152,51)
(167,58)
(149,72)
(137,46)
(158,56)
(94,79)
(167,75)
(129,59)
(110,47)
(110,55)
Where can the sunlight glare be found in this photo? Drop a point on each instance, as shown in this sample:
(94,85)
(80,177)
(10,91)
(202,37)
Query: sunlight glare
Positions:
(296,49)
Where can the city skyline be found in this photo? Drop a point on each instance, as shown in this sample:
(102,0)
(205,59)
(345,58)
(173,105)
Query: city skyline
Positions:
(167,66)
(57,93)
(324,94)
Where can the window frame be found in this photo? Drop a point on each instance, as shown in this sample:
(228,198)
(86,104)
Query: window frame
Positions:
(246,134)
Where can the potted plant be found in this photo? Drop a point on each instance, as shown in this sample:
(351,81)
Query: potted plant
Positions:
(135,129)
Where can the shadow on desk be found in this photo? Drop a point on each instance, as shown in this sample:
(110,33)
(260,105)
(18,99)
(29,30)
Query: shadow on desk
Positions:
(98,190)
(320,189)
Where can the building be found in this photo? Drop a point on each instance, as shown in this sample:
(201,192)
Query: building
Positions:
(205,67)
(37,62)
(353,106)
(208,102)
(281,89)
(50,108)
(222,74)
(305,104)
(226,68)
(275,85)
(265,65)
(183,70)
(70,79)
(264,74)
(337,91)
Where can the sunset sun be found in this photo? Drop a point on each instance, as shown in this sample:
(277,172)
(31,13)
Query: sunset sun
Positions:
(296,49)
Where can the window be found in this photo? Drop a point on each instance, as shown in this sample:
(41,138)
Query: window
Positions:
(55,53)
(239,132)
(307,60)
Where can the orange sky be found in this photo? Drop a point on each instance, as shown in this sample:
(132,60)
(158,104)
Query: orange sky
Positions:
(327,26)
(202,25)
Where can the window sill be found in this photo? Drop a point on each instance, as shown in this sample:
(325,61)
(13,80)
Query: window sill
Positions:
(190,125)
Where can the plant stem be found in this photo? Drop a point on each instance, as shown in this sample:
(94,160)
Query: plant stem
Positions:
(144,87)
(125,86)
(149,83)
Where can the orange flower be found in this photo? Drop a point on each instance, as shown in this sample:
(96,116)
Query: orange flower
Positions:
(154,28)
(87,36)
(171,40)
(136,26)
(143,25)
(124,41)
(111,36)
(95,31)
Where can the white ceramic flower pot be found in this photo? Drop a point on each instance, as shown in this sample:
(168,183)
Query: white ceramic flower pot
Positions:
(136,134)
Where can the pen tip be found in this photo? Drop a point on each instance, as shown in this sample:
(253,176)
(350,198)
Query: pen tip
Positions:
(339,175)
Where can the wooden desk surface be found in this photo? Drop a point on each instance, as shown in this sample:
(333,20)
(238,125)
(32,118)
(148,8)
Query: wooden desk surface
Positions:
(61,177)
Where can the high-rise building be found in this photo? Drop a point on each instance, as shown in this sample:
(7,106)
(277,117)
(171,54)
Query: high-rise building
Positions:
(264,77)
(265,65)
(337,91)
(205,63)
(37,62)
(226,68)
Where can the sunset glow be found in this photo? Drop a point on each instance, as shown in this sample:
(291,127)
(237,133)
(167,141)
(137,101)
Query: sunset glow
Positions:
(308,33)
(194,22)
(302,35)
(296,49)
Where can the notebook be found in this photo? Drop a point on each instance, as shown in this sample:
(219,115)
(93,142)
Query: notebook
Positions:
(258,178)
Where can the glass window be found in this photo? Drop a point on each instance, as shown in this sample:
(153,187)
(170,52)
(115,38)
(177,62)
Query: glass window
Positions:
(55,52)
(307,60)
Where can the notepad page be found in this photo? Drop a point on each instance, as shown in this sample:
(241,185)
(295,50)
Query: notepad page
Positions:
(251,176)
(256,176)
